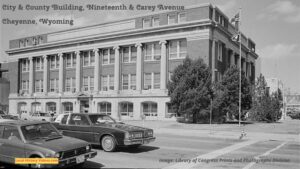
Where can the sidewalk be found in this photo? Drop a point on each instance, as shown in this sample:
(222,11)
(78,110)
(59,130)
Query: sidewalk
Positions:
(287,130)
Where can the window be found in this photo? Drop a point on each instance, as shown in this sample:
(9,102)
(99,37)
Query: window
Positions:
(25,65)
(146,23)
(133,81)
(108,56)
(181,17)
(105,107)
(70,60)
(156,80)
(125,81)
(88,58)
(129,54)
(126,109)
(25,86)
(39,86)
(68,107)
(147,81)
(51,107)
(150,109)
(152,51)
(54,62)
(107,82)
(171,19)
(111,82)
(39,64)
(70,85)
(79,120)
(177,49)
(220,51)
(53,85)
(36,107)
(88,83)
(155,21)
(10,131)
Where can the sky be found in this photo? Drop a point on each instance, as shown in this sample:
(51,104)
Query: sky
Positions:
(272,24)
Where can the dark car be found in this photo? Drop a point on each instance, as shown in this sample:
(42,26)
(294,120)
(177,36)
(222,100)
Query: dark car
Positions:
(101,129)
(36,139)
(7,116)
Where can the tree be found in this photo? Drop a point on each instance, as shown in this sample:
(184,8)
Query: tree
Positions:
(227,94)
(190,89)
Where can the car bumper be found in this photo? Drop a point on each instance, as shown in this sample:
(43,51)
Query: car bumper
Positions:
(139,141)
(76,159)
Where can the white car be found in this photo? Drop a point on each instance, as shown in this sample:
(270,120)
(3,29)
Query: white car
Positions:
(41,116)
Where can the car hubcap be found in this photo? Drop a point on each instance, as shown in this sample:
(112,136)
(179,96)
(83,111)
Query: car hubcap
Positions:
(108,144)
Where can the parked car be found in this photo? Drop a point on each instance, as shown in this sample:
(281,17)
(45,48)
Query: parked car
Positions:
(7,116)
(101,129)
(42,116)
(37,139)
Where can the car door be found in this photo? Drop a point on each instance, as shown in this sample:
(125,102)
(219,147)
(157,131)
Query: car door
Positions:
(11,144)
(79,127)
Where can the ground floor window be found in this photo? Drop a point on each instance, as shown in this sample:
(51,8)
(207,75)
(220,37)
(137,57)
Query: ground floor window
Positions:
(51,108)
(22,108)
(150,109)
(126,109)
(36,107)
(104,107)
(68,107)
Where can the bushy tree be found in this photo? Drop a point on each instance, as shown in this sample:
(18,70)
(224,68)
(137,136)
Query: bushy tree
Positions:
(227,94)
(190,89)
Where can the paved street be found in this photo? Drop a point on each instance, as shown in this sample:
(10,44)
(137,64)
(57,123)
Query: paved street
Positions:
(177,147)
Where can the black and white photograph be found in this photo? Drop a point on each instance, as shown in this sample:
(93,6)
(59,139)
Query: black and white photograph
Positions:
(160,84)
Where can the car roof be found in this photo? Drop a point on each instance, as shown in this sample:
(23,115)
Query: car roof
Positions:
(22,122)
(86,113)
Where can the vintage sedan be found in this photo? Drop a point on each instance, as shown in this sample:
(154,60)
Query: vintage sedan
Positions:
(101,129)
(36,139)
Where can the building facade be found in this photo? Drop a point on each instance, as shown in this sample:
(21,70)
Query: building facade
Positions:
(122,67)
(4,89)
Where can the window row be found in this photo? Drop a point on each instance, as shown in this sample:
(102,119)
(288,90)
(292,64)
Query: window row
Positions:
(172,19)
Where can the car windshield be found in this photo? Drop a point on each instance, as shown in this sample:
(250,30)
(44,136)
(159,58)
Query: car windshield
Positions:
(100,119)
(40,131)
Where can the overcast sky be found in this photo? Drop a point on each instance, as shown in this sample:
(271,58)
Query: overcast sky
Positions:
(273,24)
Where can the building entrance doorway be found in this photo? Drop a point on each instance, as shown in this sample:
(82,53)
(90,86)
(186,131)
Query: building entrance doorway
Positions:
(84,106)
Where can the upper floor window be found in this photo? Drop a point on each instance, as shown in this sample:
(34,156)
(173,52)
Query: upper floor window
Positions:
(151,81)
(177,49)
(70,85)
(21,43)
(181,17)
(70,60)
(25,65)
(107,82)
(53,85)
(171,19)
(39,64)
(146,23)
(88,58)
(152,51)
(155,21)
(54,62)
(25,86)
(220,51)
(128,81)
(129,54)
(39,86)
(108,56)
(88,83)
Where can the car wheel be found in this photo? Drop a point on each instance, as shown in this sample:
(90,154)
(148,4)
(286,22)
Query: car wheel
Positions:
(108,143)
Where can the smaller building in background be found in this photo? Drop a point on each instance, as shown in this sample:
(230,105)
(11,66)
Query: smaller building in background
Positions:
(274,84)
(4,89)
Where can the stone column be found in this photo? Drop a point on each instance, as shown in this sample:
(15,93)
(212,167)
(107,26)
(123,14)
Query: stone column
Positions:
(96,70)
(45,74)
(232,58)
(163,65)
(117,68)
(139,67)
(77,74)
(61,73)
(31,78)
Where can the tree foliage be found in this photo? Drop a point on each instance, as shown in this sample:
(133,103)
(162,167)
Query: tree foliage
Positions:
(227,94)
(190,89)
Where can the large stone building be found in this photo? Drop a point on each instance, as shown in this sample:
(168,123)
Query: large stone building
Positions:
(4,89)
(121,67)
